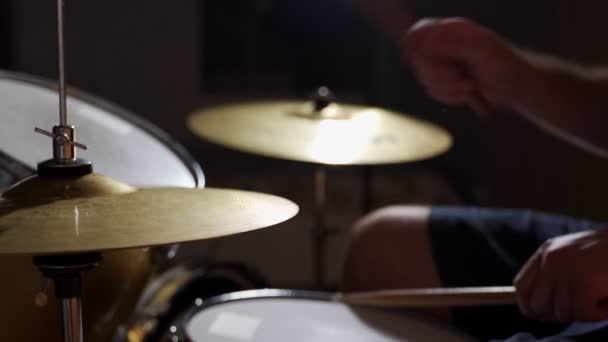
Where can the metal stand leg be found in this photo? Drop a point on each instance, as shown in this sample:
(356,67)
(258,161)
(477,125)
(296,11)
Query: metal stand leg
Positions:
(319,231)
(66,272)
(71,319)
(366,202)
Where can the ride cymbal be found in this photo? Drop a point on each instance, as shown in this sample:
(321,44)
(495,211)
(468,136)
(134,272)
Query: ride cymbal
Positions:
(144,217)
(338,134)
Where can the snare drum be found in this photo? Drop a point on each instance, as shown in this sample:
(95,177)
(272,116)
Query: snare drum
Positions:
(285,315)
(121,146)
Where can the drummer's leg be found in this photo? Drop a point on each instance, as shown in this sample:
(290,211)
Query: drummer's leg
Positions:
(406,246)
(417,246)
(391,248)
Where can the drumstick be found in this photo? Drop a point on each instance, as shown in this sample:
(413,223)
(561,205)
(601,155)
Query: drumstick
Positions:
(397,21)
(480,105)
(431,297)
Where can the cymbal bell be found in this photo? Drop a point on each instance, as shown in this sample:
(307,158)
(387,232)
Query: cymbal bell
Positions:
(129,218)
(338,134)
(38,190)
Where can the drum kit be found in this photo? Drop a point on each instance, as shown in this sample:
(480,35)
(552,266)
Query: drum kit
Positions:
(92,231)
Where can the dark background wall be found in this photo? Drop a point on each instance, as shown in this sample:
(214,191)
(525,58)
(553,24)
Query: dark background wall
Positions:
(5,26)
(142,55)
(164,59)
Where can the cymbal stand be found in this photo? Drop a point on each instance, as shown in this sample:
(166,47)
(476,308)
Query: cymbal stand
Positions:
(322,97)
(367,189)
(319,230)
(64,162)
(66,272)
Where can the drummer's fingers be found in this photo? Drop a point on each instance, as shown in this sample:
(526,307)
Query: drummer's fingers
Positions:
(542,299)
(429,68)
(562,308)
(589,299)
(416,39)
(541,296)
(445,83)
(524,282)
(455,94)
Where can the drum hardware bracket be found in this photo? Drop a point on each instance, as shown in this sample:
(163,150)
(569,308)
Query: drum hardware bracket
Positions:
(324,106)
(41,298)
(63,142)
(64,162)
(66,272)
(322,97)
(76,168)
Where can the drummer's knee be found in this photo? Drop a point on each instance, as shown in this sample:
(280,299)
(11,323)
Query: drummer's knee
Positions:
(388,248)
(402,219)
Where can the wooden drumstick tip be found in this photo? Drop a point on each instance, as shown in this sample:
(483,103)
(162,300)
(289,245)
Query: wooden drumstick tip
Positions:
(480,105)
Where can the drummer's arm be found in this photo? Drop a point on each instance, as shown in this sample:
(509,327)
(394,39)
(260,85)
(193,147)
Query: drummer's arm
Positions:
(460,62)
(566,99)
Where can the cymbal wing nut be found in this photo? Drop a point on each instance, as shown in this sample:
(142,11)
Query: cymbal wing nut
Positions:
(63,142)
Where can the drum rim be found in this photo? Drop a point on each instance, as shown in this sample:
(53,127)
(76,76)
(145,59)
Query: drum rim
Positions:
(153,130)
(181,326)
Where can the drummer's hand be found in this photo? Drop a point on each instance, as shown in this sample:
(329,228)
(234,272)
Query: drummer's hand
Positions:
(461,63)
(566,279)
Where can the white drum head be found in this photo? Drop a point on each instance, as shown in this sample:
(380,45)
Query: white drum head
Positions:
(300,320)
(120,145)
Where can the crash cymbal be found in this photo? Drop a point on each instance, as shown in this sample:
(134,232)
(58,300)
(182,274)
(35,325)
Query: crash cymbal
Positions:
(39,190)
(145,217)
(338,134)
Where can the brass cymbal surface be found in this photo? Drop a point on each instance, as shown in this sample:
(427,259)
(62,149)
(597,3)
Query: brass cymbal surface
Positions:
(116,283)
(145,217)
(39,190)
(339,134)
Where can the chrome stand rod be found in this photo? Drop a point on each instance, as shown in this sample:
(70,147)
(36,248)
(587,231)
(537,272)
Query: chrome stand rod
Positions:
(71,319)
(367,189)
(64,145)
(319,230)
(61,48)
(66,272)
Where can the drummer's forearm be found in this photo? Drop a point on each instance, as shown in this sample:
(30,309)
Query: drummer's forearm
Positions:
(568,100)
